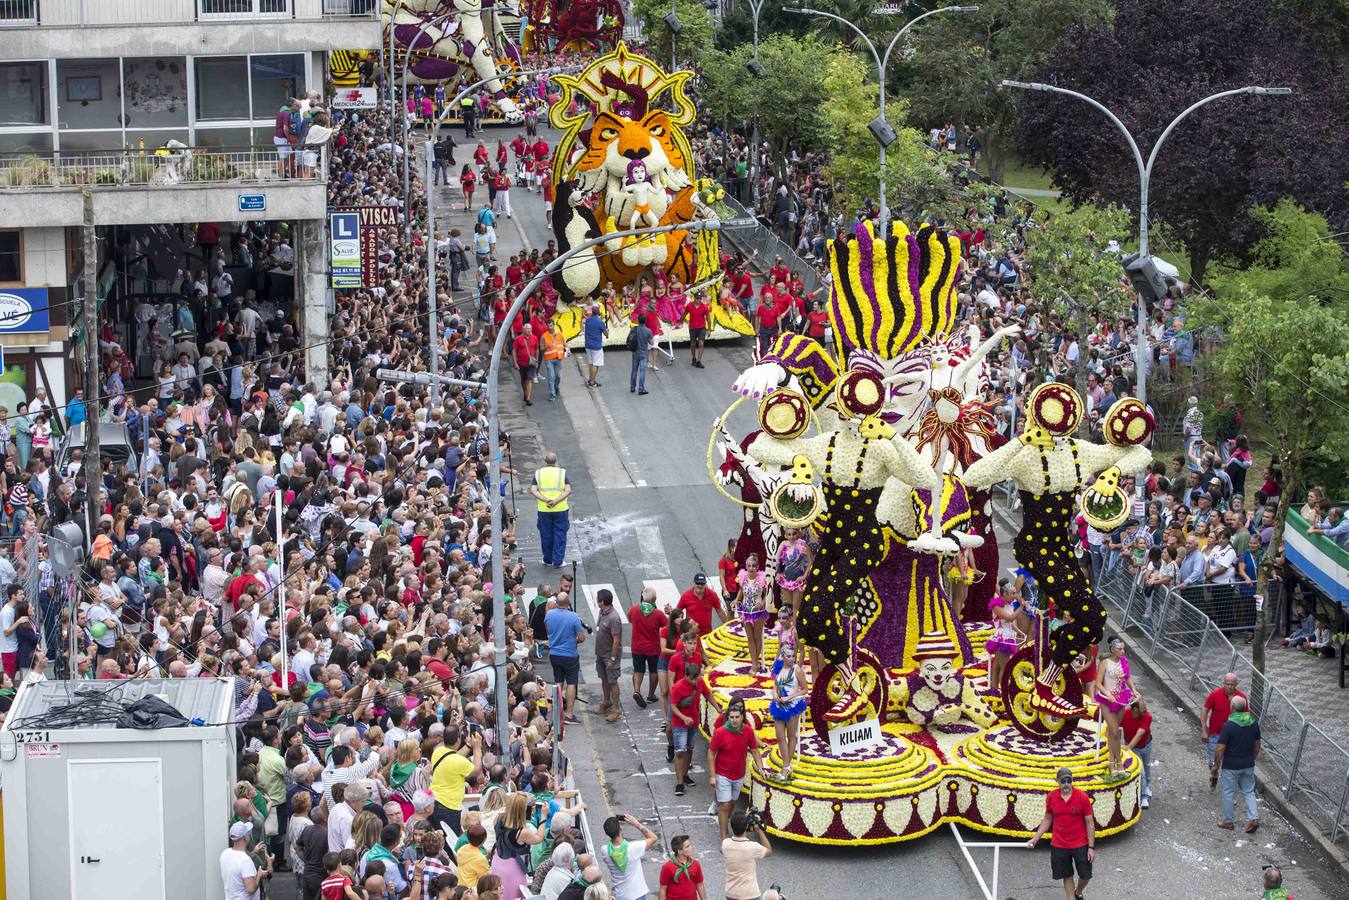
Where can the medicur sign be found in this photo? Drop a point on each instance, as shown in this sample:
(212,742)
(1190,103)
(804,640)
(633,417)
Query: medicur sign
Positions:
(847,739)
(23,311)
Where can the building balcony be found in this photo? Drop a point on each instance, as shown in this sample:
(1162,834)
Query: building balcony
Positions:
(182,184)
(36,29)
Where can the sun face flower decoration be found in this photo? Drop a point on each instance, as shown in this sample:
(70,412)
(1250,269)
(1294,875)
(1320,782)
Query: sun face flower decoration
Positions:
(784,414)
(1128,423)
(860,394)
(1056,408)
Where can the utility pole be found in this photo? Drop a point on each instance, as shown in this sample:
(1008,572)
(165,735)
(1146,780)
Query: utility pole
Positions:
(93,466)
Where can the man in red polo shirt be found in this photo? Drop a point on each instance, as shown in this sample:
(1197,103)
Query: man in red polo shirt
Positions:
(1217,709)
(1073,845)
(732,745)
(700,603)
(698,312)
(1137,726)
(526,348)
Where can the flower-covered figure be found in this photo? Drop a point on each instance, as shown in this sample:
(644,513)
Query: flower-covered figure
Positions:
(1049,467)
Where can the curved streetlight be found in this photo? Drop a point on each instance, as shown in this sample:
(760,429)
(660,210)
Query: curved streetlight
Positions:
(494,437)
(1144,177)
(880,128)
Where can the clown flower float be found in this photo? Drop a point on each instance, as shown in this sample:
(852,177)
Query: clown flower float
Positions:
(884,453)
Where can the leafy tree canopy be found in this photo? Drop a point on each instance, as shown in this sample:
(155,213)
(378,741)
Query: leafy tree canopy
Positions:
(694,40)
(1155,59)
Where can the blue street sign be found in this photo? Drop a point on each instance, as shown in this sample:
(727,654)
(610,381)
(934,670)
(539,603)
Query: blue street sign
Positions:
(23,310)
(252,202)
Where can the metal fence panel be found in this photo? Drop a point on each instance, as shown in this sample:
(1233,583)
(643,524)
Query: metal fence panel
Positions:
(1193,650)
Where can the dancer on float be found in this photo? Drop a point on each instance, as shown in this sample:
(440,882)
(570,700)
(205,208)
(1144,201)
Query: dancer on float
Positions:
(1049,467)
(1010,627)
(790,690)
(793,564)
(751,605)
(1113,697)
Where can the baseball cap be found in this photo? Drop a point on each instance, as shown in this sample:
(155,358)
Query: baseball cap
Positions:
(240,830)
(1064,775)
(700,578)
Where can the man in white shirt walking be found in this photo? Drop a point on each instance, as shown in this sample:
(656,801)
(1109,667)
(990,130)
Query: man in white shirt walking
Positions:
(241,877)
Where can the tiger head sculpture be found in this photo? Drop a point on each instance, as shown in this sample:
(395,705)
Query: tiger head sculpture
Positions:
(624,133)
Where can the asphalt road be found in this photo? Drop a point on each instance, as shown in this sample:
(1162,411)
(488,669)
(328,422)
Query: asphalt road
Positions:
(645,512)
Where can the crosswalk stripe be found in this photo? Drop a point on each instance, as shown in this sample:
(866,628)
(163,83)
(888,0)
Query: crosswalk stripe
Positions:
(590,591)
(667,591)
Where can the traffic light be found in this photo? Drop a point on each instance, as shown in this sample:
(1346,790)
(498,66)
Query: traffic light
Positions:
(1142,272)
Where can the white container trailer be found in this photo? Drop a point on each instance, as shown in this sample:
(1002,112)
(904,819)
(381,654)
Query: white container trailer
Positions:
(97,812)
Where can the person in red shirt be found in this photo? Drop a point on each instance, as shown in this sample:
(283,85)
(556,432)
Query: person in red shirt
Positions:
(646,619)
(681,878)
(700,603)
(1073,845)
(518,146)
(817,320)
(502,158)
(1137,727)
(770,309)
(779,271)
(685,702)
(732,744)
(697,311)
(526,348)
(480,154)
(540,150)
(1217,708)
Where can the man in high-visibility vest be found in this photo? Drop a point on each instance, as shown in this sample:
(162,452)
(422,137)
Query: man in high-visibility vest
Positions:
(551,488)
(554,351)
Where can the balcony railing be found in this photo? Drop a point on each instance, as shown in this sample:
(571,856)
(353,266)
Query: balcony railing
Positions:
(163,168)
(72,13)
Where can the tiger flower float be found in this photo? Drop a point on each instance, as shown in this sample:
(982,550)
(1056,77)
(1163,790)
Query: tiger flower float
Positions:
(633,162)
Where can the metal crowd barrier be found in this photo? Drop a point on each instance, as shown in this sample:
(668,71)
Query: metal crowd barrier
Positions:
(1186,641)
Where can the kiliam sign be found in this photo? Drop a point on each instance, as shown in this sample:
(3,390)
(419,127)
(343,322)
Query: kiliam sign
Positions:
(858,736)
(24,310)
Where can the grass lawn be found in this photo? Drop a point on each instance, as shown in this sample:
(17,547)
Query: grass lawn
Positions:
(1018,175)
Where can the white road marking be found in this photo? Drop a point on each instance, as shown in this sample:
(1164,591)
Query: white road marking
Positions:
(590,591)
(666,590)
(653,551)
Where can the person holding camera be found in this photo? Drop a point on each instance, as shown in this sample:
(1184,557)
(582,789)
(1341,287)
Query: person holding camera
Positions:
(623,858)
(741,856)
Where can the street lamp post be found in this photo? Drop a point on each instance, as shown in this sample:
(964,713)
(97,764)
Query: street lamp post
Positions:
(494,441)
(406,130)
(1144,177)
(882,62)
(755,6)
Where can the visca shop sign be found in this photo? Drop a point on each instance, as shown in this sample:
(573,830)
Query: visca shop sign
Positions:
(24,311)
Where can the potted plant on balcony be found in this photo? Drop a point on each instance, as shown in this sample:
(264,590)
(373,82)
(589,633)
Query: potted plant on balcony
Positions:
(30,171)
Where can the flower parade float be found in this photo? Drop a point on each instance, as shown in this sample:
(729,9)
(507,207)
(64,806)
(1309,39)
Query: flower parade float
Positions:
(624,162)
(456,43)
(585,26)
(883,455)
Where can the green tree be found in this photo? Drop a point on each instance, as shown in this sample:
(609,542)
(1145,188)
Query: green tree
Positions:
(956,61)
(1297,259)
(917,181)
(1072,273)
(737,26)
(694,40)
(1289,359)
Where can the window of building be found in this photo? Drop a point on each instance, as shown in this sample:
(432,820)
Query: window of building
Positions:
(156,91)
(23,93)
(11,257)
(274,80)
(222,87)
(89,93)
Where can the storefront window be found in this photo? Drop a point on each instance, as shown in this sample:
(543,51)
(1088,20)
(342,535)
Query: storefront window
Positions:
(275,80)
(30,142)
(156,91)
(23,93)
(222,87)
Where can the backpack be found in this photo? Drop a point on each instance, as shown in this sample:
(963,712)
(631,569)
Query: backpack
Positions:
(632,339)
